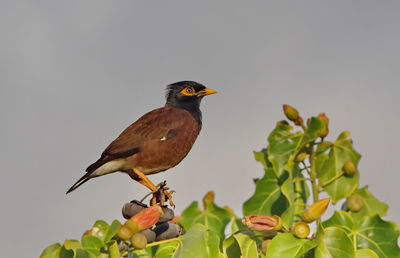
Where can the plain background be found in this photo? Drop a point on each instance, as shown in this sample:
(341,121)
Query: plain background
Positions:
(74,74)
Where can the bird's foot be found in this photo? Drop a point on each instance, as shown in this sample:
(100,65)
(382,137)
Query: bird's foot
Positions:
(162,195)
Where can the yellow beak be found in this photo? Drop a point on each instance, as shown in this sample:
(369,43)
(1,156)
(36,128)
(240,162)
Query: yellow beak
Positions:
(206,92)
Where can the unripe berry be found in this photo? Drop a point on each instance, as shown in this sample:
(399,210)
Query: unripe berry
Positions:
(349,168)
(264,245)
(291,113)
(301,157)
(325,130)
(139,241)
(355,203)
(301,230)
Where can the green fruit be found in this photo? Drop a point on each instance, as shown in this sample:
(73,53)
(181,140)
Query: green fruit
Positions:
(124,233)
(354,203)
(139,241)
(264,245)
(291,113)
(301,157)
(349,168)
(301,230)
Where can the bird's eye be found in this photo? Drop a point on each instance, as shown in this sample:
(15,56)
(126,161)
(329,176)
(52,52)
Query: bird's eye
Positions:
(188,91)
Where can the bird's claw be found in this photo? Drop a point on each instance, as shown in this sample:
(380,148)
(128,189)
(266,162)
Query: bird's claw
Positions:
(162,195)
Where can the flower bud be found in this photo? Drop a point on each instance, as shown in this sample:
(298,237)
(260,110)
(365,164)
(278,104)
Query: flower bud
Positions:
(124,233)
(298,121)
(301,230)
(139,241)
(209,197)
(301,157)
(144,219)
(264,245)
(316,210)
(325,129)
(262,222)
(349,168)
(290,112)
(355,202)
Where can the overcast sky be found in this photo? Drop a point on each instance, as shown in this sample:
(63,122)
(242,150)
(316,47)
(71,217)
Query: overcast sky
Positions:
(74,74)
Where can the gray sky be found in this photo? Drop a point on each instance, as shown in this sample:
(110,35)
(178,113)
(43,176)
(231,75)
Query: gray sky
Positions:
(73,74)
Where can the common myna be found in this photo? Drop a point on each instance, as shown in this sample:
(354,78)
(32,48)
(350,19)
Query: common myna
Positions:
(157,141)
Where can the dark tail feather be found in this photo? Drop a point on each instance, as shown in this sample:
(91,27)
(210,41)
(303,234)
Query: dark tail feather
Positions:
(87,176)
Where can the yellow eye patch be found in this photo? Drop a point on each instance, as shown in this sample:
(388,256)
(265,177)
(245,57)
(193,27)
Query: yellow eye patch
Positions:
(188,91)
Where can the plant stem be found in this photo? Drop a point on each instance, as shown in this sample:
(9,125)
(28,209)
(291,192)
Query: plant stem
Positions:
(313,175)
(331,180)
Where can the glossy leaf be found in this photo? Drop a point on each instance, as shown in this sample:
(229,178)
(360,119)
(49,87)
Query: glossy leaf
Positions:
(287,245)
(330,172)
(371,232)
(266,194)
(52,251)
(213,217)
(231,247)
(112,230)
(113,250)
(366,253)
(372,205)
(167,250)
(193,243)
(100,229)
(247,245)
(92,242)
(334,242)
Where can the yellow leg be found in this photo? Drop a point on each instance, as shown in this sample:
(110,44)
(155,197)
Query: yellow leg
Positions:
(159,193)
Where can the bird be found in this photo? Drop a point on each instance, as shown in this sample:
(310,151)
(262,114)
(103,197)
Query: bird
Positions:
(157,141)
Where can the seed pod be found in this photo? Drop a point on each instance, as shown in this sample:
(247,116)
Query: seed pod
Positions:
(262,222)
(139,241)
(264,245)
(168,214)
(167,230)
(316,210)
(149,234)
(298,121)
(290,112)
(355,202)
(301,230)
(144,219)
(325,130)
(132,208)
(301,157)
(124,233)
(349,168)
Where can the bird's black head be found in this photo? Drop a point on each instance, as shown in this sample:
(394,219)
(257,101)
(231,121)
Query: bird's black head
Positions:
(187,95)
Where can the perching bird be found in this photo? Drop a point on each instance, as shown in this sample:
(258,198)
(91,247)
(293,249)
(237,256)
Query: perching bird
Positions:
(157,141)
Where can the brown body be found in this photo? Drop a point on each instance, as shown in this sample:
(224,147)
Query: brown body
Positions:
(157,141)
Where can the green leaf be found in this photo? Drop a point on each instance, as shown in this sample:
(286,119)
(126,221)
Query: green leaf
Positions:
(330,173)
(334,242)
(112,231)
(287,189)
(193,243)
(52,251)
(231,247)
(212,217)
(248,247)
(100,229)
(143,253)
(370,232)
(372,205)
(167,250)
(287,245)
(72,244)
(366,253)
(80,253)
(262,157)
(113,249)
(266,194)
(92,242)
